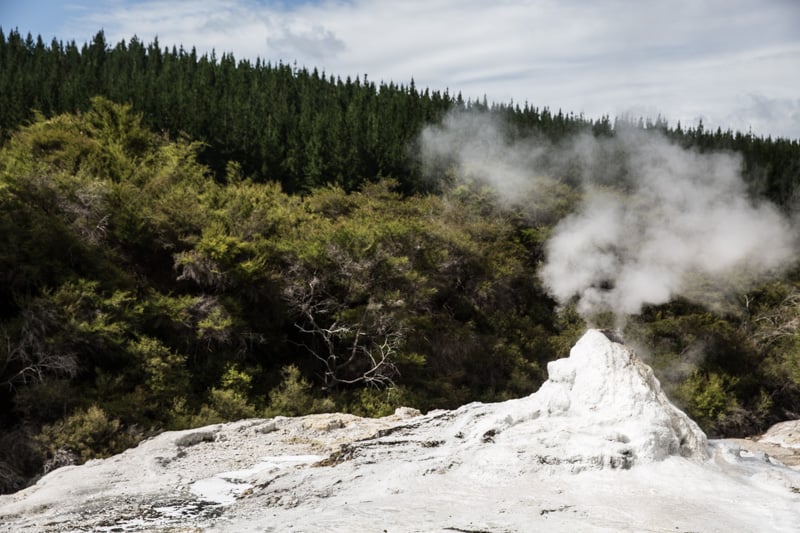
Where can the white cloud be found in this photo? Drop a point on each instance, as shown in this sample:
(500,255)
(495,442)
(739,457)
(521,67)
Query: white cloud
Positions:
(684,59)
(313,42)
(778,116)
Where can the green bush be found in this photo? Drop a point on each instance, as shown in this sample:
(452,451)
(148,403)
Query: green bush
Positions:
(709,399)
(88,433)
(293,396)
(225,403)
(374,402)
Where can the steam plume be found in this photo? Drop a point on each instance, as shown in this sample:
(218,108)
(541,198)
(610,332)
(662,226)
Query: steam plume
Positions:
(655,220)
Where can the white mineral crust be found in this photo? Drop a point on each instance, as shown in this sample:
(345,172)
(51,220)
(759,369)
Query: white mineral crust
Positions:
(598,448)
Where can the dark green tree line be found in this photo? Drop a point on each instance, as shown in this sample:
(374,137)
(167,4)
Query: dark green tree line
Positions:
(297,126)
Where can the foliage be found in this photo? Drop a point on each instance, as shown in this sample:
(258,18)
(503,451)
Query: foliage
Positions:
(735,374)
(169,280)
(294,396)
(148,295)
(708,397)
(88,434)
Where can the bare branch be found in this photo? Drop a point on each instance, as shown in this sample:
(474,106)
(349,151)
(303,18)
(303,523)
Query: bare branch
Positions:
(30,357)
(778,323)
(361,351)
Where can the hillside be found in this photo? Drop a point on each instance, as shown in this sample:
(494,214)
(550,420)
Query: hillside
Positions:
(194,240)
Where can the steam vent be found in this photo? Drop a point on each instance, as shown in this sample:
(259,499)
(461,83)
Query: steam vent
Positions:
(614,403)
(601,407)
(598,448)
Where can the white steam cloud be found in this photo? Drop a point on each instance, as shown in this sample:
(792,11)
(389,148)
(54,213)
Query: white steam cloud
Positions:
(654,221)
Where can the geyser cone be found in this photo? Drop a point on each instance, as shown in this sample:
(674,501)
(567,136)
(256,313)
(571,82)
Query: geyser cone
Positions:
(601,407)
(606,390)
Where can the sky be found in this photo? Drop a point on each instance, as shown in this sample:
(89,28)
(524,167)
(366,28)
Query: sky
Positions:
(732,63)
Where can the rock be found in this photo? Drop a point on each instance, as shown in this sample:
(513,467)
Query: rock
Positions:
(406,412)
(781,444)
(785,434)
(191,439)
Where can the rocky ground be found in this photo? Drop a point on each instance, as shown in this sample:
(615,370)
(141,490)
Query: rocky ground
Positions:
(597,448)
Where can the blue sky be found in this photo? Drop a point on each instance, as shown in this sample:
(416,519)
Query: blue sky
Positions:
(732,63)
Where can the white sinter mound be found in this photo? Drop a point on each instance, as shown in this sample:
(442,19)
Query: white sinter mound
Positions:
(601,407)
(598,448)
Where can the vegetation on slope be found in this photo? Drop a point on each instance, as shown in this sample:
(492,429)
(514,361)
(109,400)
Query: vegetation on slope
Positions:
(159,269)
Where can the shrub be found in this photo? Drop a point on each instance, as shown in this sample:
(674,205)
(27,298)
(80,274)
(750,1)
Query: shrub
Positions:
(88,433)
(374,402)
(709,399)
(20,459)
(228,402)
(293,396)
